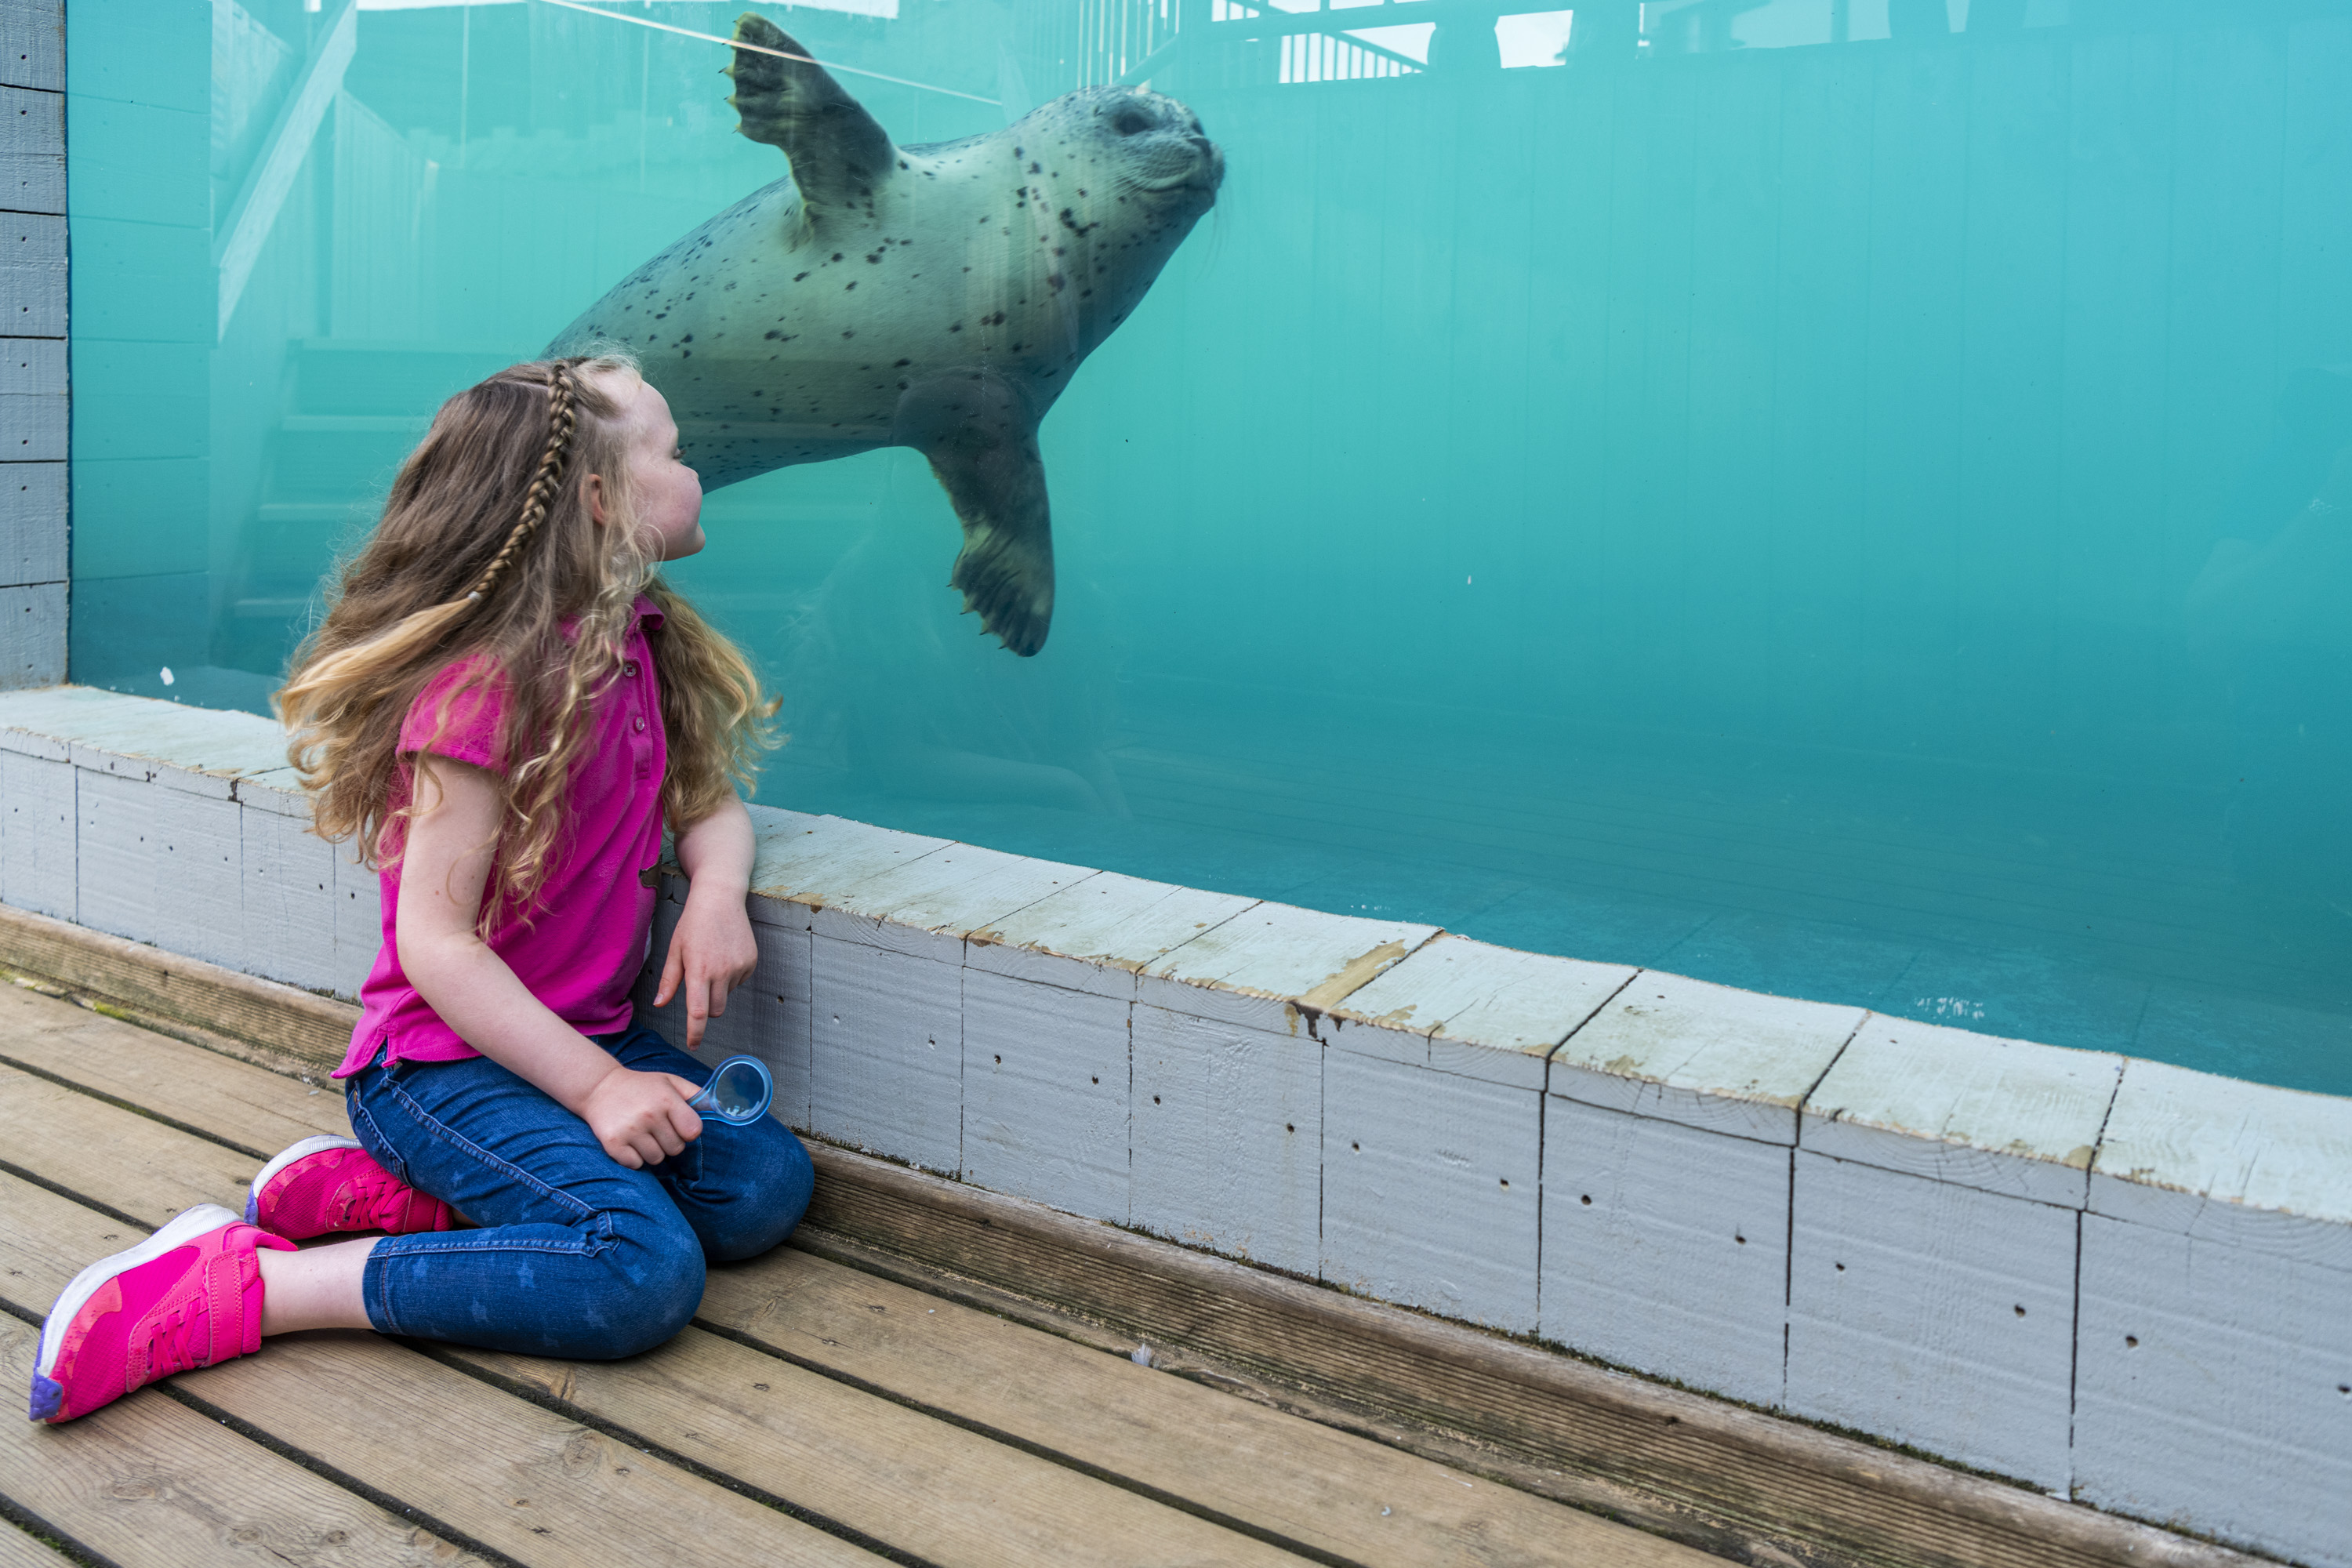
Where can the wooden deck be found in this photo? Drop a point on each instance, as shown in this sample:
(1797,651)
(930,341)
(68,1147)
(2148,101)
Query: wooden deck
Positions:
(814,1412)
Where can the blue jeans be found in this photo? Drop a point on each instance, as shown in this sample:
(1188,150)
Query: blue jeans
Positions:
(578,1255)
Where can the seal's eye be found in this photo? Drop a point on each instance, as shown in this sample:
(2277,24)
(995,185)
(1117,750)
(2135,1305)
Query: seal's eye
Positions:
(1129,122)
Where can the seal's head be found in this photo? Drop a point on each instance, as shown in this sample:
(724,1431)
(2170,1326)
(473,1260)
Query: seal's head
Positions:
(1124,147)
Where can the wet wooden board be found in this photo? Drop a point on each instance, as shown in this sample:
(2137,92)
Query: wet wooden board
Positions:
(1333,1493)
(521,1481)
(149,1480)
(233,1102)
(937,1491)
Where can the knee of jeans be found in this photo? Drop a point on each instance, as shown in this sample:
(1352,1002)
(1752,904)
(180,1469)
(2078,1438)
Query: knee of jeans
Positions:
(769,1207)
(651,1284)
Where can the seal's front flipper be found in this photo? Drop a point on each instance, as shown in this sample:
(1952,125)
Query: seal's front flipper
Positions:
(977,432)
(838,152)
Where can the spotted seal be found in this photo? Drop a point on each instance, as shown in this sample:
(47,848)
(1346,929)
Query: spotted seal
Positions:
(938,298)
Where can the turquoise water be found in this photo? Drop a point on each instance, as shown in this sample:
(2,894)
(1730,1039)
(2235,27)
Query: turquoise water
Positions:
(1814,509)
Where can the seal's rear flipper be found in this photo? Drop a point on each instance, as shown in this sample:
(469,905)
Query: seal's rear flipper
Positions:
(1005,570)
(982,443)
(838,152)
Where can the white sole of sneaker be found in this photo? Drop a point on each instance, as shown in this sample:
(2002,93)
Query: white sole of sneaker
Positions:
(180,1229)
(302,1151)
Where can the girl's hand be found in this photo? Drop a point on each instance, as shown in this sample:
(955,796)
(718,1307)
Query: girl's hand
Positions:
(711,953)
(641,1118)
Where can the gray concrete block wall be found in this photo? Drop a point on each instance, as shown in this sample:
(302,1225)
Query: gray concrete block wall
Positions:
(2110,1279)
(34,398)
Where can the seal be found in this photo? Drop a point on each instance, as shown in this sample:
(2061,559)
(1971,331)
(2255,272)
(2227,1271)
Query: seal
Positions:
(938,298)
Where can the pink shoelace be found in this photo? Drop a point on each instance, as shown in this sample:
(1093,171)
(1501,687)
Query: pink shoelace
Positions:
(372,1200)
(172,1339)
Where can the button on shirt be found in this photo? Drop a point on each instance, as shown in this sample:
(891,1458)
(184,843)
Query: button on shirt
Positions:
(580,954)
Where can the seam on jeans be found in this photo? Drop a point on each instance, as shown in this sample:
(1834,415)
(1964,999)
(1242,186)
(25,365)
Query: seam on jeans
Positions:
(371,1137)
(436,1242)
(435,1127)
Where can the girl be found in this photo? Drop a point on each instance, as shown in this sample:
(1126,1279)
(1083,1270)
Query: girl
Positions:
(503,706)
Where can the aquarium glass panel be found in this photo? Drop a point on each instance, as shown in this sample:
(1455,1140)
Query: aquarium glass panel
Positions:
(1848,498)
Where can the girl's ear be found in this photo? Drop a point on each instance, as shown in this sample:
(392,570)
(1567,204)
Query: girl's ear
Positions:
(593,486)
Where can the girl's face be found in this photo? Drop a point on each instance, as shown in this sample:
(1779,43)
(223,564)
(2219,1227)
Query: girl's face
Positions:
(669,495)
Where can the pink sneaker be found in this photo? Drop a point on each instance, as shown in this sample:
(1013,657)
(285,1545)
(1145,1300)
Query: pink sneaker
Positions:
(329,1183)
(188,1295)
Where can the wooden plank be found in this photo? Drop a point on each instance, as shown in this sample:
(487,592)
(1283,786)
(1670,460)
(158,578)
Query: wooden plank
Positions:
(1675,1463)
(1937,1314)
(33,44)
(1251,969)
(148,1480)
(19,1550)
(261,1112)
(1330,1491)
(795,873)
(1706,1055)
(315,1028)
(33,401)
(2008,1116)
(1665,1249)
(1498,1011)
(2206,1380)
(535,1486)
(2221,1159)
(33,274)
(935,1491)
(961,888)
(33,518)
(1122,923)
(32,629)
(117,1159)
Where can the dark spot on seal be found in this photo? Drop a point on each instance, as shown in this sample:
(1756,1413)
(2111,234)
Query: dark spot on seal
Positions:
(687,339)
(876,257)
(836,255)
(1037,168)
(957,327)
(798,275)
(849,331)
(848,285)
(902,365)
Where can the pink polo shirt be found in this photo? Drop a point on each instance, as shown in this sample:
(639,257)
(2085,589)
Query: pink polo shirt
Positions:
(581,954)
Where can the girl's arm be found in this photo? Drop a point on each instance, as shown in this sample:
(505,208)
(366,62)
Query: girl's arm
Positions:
(640,1118)
(712,952)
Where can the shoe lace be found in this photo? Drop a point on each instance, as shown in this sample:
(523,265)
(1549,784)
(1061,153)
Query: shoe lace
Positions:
(171,1339)
(368,1199)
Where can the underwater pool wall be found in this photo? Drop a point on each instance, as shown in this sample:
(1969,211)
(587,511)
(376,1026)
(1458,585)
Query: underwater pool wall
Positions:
(33,423)
(2106,1278)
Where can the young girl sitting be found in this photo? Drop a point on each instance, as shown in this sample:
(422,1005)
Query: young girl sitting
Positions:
(503,706)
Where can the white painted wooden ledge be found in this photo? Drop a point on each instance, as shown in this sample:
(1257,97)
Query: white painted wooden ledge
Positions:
(2110,1278)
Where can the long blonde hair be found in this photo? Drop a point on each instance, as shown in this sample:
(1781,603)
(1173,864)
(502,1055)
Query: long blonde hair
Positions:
(488,548)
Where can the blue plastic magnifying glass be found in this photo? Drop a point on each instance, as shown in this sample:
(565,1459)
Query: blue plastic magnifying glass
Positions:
(738,1092)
